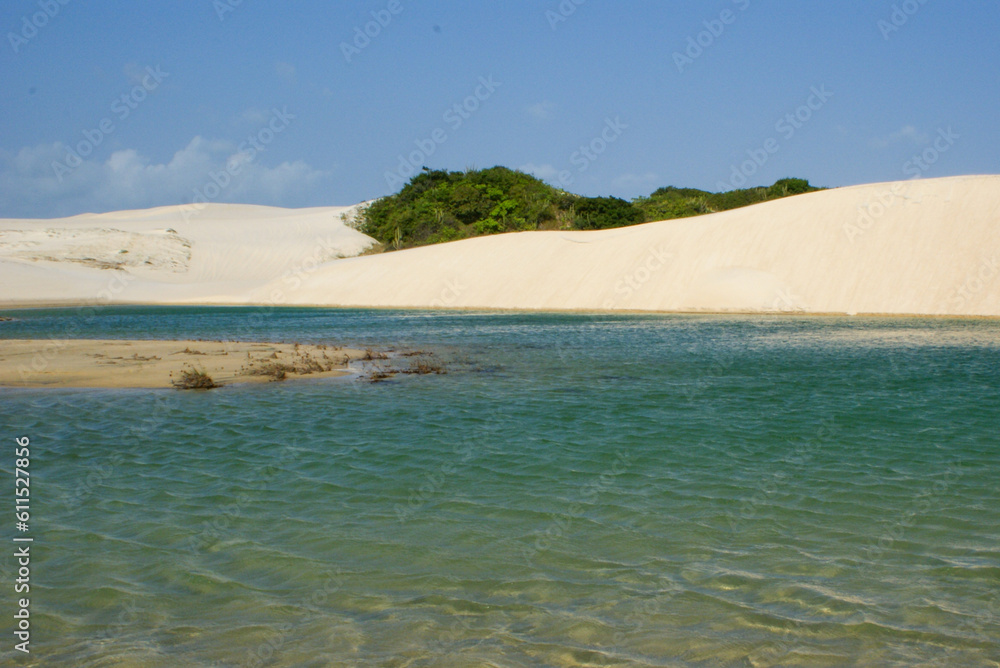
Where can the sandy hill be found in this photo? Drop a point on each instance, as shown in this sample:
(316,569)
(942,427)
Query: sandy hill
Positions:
(168,254)
(912,247)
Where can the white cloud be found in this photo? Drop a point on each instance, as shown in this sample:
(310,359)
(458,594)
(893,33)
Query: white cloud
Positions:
(255,117)
(545,172)
(31,188)
(907,133)
(542,111)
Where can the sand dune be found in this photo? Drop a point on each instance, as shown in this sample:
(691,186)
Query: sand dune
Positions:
(925,247)
(913,247)
(168,254)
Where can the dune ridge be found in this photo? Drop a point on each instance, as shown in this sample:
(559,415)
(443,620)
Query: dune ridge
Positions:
(920,247)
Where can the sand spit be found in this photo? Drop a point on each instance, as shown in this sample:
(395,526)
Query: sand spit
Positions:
(159,364)
(921,247)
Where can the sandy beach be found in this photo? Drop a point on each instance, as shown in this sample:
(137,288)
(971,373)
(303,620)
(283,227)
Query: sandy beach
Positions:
(159,364)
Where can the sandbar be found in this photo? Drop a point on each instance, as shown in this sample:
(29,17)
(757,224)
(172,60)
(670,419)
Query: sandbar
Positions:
(106,363)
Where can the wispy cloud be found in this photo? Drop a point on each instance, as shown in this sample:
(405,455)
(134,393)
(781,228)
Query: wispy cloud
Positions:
(907,133)
(545,172)
(29,187)
(255,117)
(542,111)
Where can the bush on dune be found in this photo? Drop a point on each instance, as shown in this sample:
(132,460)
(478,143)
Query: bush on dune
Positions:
(670,202)
(439,206)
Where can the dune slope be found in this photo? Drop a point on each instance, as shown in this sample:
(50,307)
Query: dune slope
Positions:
(913,247)
(925,247)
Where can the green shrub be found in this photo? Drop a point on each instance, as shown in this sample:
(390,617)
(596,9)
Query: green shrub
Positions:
(598,213)
(437,206)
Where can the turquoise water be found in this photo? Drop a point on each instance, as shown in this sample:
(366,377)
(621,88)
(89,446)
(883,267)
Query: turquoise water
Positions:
(579,490)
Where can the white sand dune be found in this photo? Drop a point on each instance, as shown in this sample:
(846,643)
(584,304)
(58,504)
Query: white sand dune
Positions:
(172,254)
(914,247)
(924,247)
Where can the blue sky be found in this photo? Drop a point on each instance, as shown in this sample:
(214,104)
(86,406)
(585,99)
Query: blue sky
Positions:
(260,102)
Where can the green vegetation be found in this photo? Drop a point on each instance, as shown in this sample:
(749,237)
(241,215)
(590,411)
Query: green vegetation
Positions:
(668,203)
(438,206)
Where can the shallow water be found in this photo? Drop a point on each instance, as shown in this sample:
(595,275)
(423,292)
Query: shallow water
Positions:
(578,490)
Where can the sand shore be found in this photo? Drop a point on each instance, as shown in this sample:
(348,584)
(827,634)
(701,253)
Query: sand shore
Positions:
(31,363)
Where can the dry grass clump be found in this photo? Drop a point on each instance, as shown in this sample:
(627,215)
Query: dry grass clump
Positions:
(195,379)
(302,363)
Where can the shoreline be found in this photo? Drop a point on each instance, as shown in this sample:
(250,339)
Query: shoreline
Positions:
(160,364)
(28,306)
